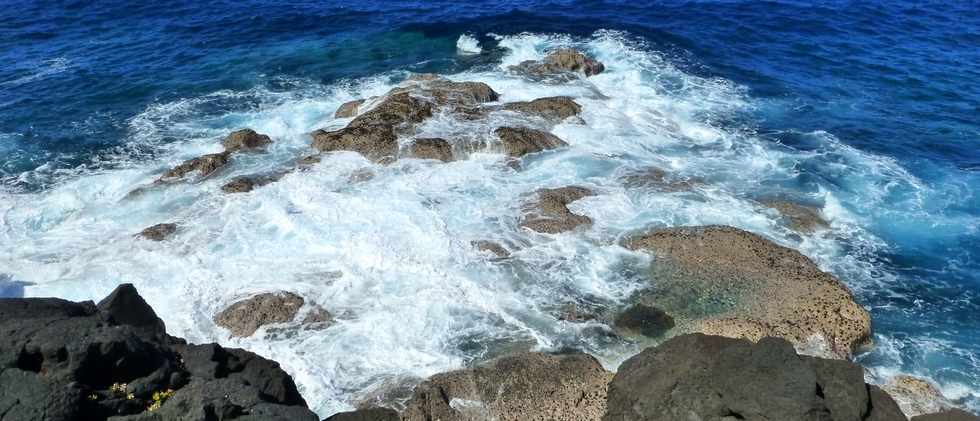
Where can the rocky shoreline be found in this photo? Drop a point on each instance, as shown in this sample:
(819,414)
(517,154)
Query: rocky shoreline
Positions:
(746,328)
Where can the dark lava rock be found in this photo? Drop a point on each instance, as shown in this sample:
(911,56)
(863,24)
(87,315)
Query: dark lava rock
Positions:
(556,108)
(520,141)
(245,139)
(715,378)
(374,142)
(518,387)
(203,165)
(565,60)
(247,183)
(159,232)
(372,414)
(550,214)
(432,148)
(243,318)
(645,320)
(951,415)
(348,109)
(63,361)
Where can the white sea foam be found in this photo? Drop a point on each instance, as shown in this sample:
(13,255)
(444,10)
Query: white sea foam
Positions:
(391,256)
(467,44)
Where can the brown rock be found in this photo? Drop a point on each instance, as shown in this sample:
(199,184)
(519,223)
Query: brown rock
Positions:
(646,320)
(243,318)
(800,218)
(159,232)
(565,60)
(245,139)
(520,387)
(374,142)
(520,141)
(308,160)
(432,148)
(348,109)
(368,414)
(394,110)
(491,247)
(556,108)
(575,313)
(724,281)
(247,183)
(951,415)
(203,165)
(658,179)
(550,214)
(916,396)
(445,92)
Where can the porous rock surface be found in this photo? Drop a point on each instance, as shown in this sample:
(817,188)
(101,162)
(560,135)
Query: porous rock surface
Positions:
(550,214)
(520,141)
(159,232)
(244,317)
(725,281)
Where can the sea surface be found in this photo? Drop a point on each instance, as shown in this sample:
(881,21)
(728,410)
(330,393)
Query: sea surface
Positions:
(869,110)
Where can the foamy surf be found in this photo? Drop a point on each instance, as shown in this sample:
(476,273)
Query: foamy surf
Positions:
(391,256)
(468,45)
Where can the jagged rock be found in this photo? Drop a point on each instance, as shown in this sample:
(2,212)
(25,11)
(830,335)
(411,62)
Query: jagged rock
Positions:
(520,141)
(525,386)
(716,378)
(348,109)
(159,232)
(916,396)
(446,92)
(800,218)
(244,317)
(645,320)
(556,108)
(951,415)
(550,214)
(561,61)
(393,111)
(724,281)
(572,312)
(491,247)
(247,183)
(245,139)
(204,166)
(63,361)
(371,414)
(432,148)
(656,178)
(374,142)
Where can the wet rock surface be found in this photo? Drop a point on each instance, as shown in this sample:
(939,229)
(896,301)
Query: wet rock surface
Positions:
(159,232)
(560,61)
(724,281)
(244,140)
(348,109)
(372,414)
(491,247)
(951,415)
(645,320)
(202,166)
(801,218)
(550,214)
(244,317)
(717,378)
(374,142)
(658,179)
(555,108)
(520,141)
(61,360)
(247,183)
(916,396)
(432,148)
(523,386)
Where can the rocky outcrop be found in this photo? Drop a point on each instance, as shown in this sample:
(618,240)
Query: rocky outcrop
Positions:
(445,92)
(699,377)
(565,60)
(491,247)
(645,320)
(658,179)
(247,183)
(244,317)
(550,214)
(371,414)
(951,415)
(376,143)
(724,281)
(432,148)
(525,386)
(916,396)
(61,360)
(348,109)
(203,166)
(245,140)
(556,108)
(159,232)
(800,218)
(520,141)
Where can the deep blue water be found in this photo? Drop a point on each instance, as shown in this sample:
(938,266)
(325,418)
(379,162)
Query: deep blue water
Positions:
(897,79)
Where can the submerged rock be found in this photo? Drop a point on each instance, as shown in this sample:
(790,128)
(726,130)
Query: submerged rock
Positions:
(658,179)
(520,141)
(62,361)
(204,166)
(432,148)
(556,108)
(245,139)
(525,386)
(550,214)
(491,247)
(800,218)
(243,318)
(159,232)
(247,183)
(565,60)
(724,281)
(645,320)
(348,109)
(916,396)
(699,377)
(376,143)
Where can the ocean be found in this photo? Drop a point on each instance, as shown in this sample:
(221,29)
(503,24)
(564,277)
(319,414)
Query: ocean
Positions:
(867,110)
